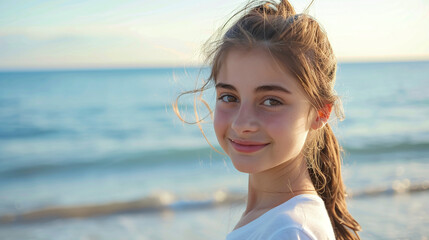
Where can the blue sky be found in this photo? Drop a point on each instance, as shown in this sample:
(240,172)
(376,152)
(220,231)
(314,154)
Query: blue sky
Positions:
(129,33)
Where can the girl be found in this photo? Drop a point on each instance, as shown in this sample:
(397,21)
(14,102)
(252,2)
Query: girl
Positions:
(274,73)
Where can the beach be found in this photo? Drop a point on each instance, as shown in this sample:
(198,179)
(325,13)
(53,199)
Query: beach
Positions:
(100,154)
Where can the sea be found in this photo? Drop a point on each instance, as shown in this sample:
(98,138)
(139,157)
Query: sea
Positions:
(100,154)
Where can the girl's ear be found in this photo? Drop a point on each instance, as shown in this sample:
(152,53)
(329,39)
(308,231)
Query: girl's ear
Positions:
(322,117)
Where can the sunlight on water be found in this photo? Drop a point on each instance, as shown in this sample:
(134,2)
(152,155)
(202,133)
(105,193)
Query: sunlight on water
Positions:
(103,152)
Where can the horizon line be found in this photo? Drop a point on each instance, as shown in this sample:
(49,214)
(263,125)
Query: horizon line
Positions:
(184,66)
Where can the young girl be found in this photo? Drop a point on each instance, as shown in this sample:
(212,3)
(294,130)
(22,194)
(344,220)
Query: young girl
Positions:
(274,73)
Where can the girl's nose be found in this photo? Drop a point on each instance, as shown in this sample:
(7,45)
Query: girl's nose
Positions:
(245,120)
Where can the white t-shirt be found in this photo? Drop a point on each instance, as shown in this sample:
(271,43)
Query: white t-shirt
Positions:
(302,217)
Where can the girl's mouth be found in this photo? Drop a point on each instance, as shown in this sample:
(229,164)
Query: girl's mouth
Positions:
(247,146)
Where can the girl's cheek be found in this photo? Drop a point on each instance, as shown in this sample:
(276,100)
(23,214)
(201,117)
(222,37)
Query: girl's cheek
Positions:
(274,119)
(220,124)
(220,121)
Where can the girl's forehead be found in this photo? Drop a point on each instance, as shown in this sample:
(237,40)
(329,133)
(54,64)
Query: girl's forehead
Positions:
(254,67)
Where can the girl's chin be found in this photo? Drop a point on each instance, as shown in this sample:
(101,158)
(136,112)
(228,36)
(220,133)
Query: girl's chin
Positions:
(247,166)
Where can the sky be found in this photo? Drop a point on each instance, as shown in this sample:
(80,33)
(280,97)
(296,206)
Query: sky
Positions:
(44,34)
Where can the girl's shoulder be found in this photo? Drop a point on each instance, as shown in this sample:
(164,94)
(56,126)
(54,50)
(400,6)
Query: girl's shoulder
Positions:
(302,217)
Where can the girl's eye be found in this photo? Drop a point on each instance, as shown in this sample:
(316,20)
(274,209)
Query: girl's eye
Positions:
(228,98)
(271,102)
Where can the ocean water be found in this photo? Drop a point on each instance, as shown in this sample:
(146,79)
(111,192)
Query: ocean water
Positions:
(99,154)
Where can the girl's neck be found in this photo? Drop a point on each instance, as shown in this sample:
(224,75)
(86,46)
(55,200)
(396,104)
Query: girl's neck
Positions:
(275,186)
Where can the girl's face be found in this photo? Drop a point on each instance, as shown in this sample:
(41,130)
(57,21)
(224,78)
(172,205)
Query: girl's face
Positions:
(262,115)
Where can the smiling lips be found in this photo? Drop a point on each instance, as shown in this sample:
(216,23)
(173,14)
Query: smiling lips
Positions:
(247,146)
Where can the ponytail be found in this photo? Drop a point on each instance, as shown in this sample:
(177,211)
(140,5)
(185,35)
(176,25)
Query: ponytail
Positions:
(325,171)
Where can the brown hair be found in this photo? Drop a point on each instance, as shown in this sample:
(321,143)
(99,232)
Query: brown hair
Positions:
(298,43)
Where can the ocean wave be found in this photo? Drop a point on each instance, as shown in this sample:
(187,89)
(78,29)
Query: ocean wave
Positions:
(11,132)
(166,201)
(397,187)
(125,160)
(173,156)
(405,146)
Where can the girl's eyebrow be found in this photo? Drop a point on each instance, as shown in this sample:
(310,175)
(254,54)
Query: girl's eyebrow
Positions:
(226,86)
(264,88)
